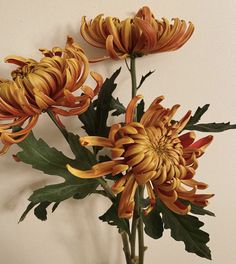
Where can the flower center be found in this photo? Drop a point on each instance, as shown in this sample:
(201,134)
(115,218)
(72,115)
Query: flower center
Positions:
(163,143)
(158,151)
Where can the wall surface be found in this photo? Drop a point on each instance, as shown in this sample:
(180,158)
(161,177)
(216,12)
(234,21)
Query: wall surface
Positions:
(203,71)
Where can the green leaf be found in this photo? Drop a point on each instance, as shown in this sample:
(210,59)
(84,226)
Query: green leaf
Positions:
(62,191)
(153,224)
(112,218)
(140,110)
(117,106)
(89,120)
(53,162)
(196,209)
(41,211)
(95,118)
(211,127)
(49,160)
(206,127)
(144,77)
(198,114)
(55,207)
(82,154)
(27,210)
(186,228)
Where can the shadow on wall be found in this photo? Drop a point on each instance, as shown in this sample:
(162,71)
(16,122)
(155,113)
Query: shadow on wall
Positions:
(85,237)
(74,228)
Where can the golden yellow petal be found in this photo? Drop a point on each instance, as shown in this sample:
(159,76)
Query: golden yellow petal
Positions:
(111,50)
(113,131)
(130,130)
(86,35)
(129,116)
(119,168)
(135,160)
(143,178)
(178,207)
(114,33)
(134,150)
(95,141)
(126,204)
(123,141)
(119,185)
(117,152)
(169,197)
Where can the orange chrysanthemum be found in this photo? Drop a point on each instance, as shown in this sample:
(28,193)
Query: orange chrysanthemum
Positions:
(143,34)
(45,85)
(151,153)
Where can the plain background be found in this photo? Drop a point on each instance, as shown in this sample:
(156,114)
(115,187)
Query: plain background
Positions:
(203,71)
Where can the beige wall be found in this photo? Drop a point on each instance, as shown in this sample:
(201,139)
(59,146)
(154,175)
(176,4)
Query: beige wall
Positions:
(201,72)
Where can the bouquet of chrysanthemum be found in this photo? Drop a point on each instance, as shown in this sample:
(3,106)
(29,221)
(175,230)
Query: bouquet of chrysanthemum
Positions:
(148,172)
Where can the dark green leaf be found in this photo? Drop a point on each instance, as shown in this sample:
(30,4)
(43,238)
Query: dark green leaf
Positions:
(153,224)
(140,110)
(104,103)
(117,106)
(211,127)
(144,77)
(55,207)
(196,209)
(41,211)
(53,162)
(37,153)
(89,120)
(112,218)
(62,191)
(198,114)
(82,154)
(95,119)
(186,228)
(27,210)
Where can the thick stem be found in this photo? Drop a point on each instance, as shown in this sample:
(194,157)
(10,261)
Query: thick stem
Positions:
(126,248)
(137,221)
(140,229)
(133,76)
(136,209)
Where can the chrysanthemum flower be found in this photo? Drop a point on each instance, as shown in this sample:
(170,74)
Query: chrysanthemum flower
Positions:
(151,153)
(140,35)
(43,85)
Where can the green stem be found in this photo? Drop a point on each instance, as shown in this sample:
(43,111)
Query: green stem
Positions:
(133,76)
(126,248)
(107,189)
(140,229)
(137,221)
(63,130)
(134,226)
(124,235)
(136,209)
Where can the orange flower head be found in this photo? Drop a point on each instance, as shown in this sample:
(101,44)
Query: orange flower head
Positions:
(48,84)
(151,153)
(136,36)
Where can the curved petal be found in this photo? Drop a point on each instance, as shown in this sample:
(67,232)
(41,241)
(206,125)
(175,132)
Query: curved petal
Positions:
(129,116)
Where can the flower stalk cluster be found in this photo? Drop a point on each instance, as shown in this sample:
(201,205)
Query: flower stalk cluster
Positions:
(150,157)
